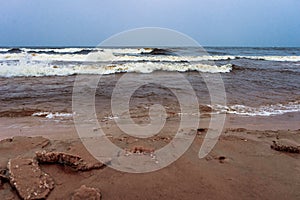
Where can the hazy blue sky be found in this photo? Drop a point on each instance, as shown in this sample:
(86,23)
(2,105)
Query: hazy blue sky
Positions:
(210,22)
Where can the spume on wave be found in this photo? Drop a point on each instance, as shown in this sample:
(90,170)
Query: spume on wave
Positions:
(57,50)
(173,58)
(74,50)
(277,109)
(42,69)
(43,57)
(275,58)
(129,50)
(149,67)
(94,56)
(3,50)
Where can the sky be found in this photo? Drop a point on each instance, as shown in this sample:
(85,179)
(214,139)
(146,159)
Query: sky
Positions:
(272,23)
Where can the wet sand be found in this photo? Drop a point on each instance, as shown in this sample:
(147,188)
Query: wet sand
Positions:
(241,166)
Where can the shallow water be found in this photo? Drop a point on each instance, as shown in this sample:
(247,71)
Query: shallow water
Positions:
(258,81)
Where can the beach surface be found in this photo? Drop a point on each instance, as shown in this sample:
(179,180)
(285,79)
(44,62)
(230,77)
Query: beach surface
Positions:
(44,155)
(241,165)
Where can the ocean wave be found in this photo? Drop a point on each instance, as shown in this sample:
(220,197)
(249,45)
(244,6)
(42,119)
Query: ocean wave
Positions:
(75,57)
(43,57)
(4,50)
(107,56)
(14,50)
(40,69)
(157,51)
(273,58)
(76,50)
(123,51)
(128,55)
(149,67)
(56,50)
(83,51)
(269,110)
(289,69)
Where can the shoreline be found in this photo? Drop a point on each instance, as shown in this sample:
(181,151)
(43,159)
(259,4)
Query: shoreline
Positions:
(64,128)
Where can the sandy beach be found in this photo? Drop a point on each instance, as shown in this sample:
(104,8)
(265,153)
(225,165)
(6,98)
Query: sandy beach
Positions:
(241,165)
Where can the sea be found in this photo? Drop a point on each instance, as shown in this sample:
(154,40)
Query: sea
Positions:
(38,81)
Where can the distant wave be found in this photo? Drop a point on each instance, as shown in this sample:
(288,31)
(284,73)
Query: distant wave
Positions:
(40,69)
(83,51)
(4,50)
(75,50)
(267,110)
(81,55)
(14,50)
(157,51)
(273,58)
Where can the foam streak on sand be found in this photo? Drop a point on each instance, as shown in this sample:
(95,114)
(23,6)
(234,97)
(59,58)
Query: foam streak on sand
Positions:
(50,115)
(269,110)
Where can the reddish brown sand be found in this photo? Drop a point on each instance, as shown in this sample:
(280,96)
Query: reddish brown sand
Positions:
(241,166)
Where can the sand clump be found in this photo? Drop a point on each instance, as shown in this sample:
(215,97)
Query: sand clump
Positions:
(87,193)
(285,148)
(22,168)
(28,179)
(73,161)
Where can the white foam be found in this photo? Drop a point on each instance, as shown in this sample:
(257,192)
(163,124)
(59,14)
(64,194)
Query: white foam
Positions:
(100,56)
(43,57)
(51,115)
(164,58)
(274,58)
(268,110)
(107,55)
(57,50)
(129,50)
(93,56)
(4,49)
(44,69)
(111,117)
(149,67)
(74,50)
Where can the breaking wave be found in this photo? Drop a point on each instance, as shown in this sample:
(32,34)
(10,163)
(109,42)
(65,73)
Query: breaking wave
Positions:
(126,54)
(70,61)
(40,69)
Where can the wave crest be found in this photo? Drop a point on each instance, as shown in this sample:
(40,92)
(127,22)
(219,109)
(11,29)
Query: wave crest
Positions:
(40,69)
